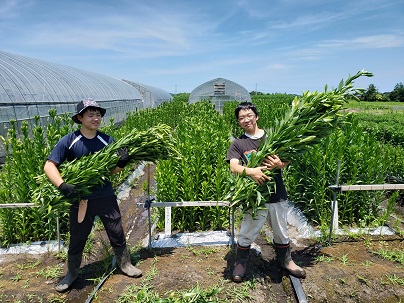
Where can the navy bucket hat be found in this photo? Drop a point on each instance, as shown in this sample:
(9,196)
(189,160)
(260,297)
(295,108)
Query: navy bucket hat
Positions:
(84,104)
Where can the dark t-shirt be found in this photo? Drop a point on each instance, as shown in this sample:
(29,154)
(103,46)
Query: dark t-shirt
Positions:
(241,149)
(74,146)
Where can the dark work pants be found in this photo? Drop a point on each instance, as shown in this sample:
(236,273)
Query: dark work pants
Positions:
(107,210)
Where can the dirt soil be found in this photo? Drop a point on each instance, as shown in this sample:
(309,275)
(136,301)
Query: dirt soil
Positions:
(346,271)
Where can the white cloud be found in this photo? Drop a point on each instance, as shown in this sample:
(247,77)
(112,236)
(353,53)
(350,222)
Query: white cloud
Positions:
(10,9)
(373,41)
(150,32)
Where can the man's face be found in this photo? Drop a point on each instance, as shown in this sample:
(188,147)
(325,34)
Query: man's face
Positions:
(91,119)
(247,119)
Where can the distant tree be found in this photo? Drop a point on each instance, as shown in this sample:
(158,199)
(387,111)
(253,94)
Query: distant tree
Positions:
(398,93)
(181,97)
(370,94)
(386,97)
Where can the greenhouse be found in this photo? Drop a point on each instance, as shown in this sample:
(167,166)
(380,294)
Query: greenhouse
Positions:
(152,96)
(218,91)
(31,87)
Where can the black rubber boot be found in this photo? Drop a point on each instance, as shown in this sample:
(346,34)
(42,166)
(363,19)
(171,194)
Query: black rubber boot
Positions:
(240,266)
(73,266)
(284,257)
(123,261)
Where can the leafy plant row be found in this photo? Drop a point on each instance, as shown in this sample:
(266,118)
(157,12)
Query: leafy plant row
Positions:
(385,127)
(200,174)
(203,137)
(364,160)
(27,148)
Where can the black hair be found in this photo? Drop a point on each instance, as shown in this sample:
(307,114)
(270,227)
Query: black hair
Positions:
(245,105)
(91,108)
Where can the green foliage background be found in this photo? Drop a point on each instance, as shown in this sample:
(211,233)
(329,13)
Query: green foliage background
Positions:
(369,148)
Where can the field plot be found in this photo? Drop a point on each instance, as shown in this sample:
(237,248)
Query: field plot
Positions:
(353,269)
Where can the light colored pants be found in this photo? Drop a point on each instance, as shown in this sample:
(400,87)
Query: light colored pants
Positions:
(277,221)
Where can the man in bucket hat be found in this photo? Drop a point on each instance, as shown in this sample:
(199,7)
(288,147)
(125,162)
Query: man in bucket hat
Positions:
(85,104)
(102,201)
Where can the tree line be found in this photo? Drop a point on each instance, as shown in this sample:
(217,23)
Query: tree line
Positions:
(372,94)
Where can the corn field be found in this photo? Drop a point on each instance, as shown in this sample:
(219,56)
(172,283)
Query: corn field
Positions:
(369,147)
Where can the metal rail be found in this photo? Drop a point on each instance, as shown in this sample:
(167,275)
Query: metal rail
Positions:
(22,205)
(343,188)
(187,203)
(18,205)
(372,187)
(148,204)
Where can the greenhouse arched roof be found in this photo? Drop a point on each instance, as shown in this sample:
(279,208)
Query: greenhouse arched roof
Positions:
(152,96)
(24,79)
(219,90)
(30,88)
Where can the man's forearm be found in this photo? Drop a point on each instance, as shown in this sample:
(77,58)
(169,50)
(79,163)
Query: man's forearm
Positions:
(53,173)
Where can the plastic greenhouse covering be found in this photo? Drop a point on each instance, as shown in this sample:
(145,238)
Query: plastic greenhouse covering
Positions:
(152,96)
(31,87)
(218,91)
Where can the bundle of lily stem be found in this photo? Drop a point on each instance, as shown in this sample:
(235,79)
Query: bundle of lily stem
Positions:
(311,117)
(92,170)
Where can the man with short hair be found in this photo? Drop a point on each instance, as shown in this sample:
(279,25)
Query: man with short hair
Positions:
(102,201)
(238,156)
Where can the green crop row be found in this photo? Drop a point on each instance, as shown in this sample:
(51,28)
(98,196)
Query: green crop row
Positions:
(200,174)
(386,127)
(203,137)
(27,148)
(364,160)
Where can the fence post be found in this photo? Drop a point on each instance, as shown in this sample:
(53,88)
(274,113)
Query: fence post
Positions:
(149,221)
(334,212)
(167,219)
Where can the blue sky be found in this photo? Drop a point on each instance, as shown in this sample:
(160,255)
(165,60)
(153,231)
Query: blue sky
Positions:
(272,46)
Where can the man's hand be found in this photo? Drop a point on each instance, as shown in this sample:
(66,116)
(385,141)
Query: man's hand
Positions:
(257,174)
(124,157)
(68,190)
(273,161)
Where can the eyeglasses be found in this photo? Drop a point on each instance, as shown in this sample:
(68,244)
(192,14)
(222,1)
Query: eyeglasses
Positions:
(243,118)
